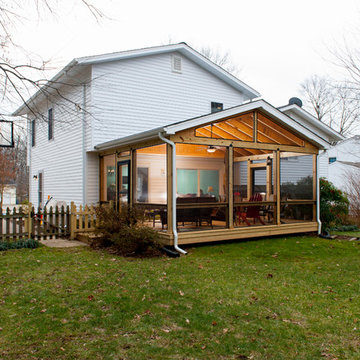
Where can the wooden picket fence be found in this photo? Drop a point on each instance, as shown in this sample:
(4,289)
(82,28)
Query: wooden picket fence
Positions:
(27,223)
(82,220)
(13,224)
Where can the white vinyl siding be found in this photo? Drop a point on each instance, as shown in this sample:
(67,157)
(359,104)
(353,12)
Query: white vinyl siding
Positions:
(61,159)
(135,95)
(92,178)
(122,98)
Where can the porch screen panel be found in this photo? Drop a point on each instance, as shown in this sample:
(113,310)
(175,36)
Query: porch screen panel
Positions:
(253,187)
(151,178)
(108,178)
(209,182)
(202,189)
(187,182)
(297,187)
(296,176)
(240,180)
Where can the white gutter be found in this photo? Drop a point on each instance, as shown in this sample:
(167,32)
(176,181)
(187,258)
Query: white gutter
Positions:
(173,184)
(318,195)
(84,146)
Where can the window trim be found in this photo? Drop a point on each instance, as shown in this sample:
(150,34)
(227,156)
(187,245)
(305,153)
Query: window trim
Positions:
(215,107)
(32,131)
(50,124)
(40,188)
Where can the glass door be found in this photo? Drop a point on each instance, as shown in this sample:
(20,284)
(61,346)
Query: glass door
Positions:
(123,182)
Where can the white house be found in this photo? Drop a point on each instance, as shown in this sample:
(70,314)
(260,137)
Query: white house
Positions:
(340,160)
(99,99)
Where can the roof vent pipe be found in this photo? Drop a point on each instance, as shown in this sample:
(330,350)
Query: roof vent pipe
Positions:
(295,101)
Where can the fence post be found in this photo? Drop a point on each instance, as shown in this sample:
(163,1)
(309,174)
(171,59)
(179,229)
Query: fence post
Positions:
(72,220)
(1,224)
(29,221)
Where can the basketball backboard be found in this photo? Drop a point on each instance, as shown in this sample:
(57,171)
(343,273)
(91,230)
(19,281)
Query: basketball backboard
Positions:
(6,133)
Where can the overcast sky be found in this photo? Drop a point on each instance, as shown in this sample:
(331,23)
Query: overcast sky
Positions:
(277,44)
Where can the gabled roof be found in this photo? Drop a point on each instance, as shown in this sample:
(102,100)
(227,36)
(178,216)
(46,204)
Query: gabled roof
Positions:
(181,48)
(307,117)
(320,138)
(350,163)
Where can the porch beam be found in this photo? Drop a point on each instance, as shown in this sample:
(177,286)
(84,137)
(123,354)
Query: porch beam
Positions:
(314,187)
(170,194)
(255,126)
(134,146)
(133,177)
(278,194)
(192,139)
(265,156)
(231,187)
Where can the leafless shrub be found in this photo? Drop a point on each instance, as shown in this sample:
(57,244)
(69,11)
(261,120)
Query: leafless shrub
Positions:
(353,193)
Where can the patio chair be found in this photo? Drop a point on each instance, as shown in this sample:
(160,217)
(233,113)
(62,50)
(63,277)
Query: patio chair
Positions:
(252,211)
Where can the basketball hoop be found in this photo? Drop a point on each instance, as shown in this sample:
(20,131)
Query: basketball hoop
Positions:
(6,133)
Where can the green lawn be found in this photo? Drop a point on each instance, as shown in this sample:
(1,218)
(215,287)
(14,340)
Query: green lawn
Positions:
(279,298)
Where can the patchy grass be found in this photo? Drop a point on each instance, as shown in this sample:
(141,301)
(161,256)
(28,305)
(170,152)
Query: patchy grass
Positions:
(279,298)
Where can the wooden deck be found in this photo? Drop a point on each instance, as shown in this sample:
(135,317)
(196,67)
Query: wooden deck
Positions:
(204,236)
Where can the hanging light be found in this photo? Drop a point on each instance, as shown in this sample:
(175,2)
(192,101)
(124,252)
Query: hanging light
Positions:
(211,148)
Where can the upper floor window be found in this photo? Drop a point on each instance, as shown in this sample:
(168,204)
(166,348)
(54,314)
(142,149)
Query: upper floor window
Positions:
(332,160)
(50,124)
(215,107)
(32,130)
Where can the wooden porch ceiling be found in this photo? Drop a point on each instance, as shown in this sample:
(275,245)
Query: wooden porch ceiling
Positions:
(250,127)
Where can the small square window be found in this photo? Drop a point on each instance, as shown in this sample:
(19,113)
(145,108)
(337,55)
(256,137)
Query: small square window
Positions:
(215,107)
(50,124)
(332,160)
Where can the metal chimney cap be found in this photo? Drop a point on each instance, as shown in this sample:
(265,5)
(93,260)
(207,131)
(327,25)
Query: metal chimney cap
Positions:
(295,101)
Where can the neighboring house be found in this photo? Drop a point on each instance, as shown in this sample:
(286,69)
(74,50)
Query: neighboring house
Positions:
(9,195)
(340,160)
(109,136)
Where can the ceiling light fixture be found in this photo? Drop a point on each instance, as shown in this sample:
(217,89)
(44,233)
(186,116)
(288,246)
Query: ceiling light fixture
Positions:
(211,148)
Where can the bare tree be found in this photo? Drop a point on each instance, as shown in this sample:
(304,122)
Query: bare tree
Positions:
(222,59)
(348,58)
(319,96)
(22,170)
(353,193)
(332,103)
(7,171)
(20,74)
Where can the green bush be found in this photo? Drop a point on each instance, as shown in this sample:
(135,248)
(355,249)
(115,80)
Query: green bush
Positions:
(124,230)
(345,228)
(19,244)
(334,205)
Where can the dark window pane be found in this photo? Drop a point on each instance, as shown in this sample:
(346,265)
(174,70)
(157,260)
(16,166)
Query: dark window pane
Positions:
(50,124)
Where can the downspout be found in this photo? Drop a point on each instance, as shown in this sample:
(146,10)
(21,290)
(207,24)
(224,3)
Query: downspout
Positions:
(173,205)
(318,194)
(83,108)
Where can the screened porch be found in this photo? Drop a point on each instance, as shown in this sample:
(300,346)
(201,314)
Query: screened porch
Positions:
(241,176)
